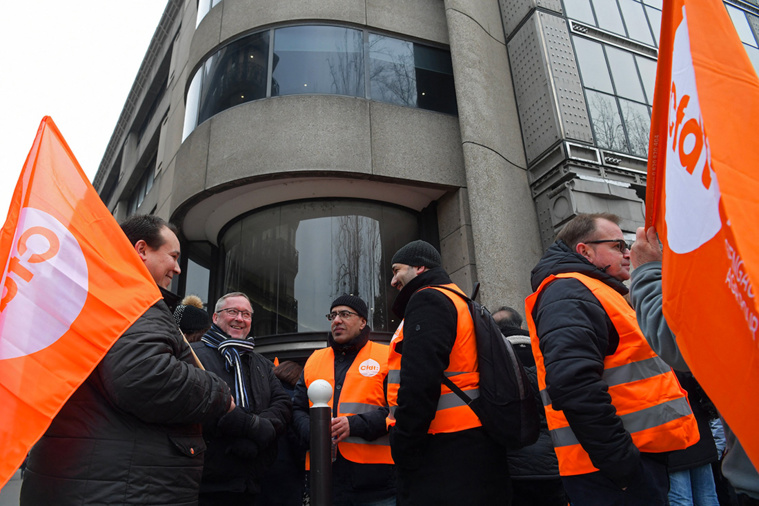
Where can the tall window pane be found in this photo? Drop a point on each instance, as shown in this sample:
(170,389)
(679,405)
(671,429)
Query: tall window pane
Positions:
(235,75)
(607,125)
(741,25)
(192,103)
(608,16)
(654,18)
(580,10)
(595,73)
(636,22)
(625,75)
(638,125)
(647,69)
(319,59)
(293,260)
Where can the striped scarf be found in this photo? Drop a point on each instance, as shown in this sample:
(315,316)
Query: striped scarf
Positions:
(232,350)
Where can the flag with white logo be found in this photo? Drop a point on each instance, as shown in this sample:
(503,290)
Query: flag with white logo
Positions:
(71,285)
(703,198)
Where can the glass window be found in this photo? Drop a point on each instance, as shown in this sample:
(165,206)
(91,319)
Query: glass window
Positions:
(654,3)
(626,80)
(608,16)
(638,123)
(191,109)
(198,279)
(654,18)
(319,59)
(409,74)
(580,10)
(741,25)
(235,75)
(647,69)
(593,69)
(753,55)
(607,124)
(636,22)
(203,7)
(293,260)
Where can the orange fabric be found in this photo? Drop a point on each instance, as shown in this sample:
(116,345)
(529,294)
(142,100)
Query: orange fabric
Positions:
(628,397)
(463,360)
(702,198)
(364,384)
(72,285)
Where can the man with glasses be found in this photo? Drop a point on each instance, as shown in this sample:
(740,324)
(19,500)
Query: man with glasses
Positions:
(614,408)
(243,444)
(356,367)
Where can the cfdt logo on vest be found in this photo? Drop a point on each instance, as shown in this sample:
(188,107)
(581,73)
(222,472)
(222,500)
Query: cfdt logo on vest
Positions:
(45,285)
(369,368)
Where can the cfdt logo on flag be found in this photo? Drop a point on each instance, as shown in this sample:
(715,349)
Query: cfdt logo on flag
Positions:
(692,192)
(45,285)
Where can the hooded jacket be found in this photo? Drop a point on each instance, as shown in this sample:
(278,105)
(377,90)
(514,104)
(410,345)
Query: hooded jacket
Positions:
(576,334)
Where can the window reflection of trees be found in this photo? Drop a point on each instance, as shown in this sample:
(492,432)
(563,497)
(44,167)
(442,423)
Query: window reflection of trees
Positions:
(346,65)
(606,122)
(638,125)
(392,70)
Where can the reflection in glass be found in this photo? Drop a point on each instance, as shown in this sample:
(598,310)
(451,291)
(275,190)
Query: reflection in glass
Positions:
(293,260)
(654,3)
(654,18)
(647,69)
(593,69)
(741,25)
(608,16)
(580,10)
(409,74)
(319,59)
(636,22)
(753,55)
(191,110)
(638,124)
(203,7)
(607,125)
(626,80)
(234,75)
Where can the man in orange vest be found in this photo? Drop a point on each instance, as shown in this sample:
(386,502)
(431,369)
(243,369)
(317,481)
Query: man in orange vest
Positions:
(614,408)
(442,453)
(356,367)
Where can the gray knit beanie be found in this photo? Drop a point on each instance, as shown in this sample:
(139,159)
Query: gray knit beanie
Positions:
(417,254)
(355,303)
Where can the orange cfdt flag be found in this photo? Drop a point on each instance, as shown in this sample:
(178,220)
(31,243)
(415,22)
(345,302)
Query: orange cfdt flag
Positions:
(72,284)
(703,197)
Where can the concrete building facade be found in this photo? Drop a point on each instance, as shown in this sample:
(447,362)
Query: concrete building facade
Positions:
(298,144)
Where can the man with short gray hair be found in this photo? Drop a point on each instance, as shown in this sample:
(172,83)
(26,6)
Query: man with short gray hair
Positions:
(243,444)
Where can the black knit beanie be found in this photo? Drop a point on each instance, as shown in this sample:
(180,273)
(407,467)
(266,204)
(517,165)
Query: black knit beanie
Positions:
(191,318)
(417,254)
(355,303)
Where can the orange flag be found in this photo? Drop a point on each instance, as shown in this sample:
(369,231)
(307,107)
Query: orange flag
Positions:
(72,285)
(703,197)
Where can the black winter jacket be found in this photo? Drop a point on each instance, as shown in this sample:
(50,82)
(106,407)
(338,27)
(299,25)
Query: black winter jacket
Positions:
(131,433)
(351,482)
(575,336)
(232,464)
(465,467)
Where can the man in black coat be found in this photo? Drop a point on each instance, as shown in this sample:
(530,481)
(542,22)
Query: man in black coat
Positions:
(131,433)
(453,465)
(243,444)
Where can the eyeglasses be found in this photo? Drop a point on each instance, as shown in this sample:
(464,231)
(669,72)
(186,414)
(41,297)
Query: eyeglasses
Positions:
(619,244)
(234,313)
(342,314)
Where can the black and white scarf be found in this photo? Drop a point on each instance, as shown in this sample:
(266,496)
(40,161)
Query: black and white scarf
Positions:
(232,350)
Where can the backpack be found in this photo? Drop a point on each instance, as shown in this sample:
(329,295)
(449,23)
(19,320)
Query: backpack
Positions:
(506,404)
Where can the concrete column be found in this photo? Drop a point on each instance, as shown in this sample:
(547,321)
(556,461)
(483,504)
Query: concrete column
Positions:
(503,218)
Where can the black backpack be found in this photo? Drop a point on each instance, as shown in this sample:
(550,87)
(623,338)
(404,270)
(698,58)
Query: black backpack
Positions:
(506,404)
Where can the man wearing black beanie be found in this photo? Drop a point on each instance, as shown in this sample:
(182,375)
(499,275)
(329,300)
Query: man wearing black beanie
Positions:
(356,367)
(441,452)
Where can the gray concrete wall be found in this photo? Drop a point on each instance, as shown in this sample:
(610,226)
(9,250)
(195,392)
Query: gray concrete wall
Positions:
(504,224)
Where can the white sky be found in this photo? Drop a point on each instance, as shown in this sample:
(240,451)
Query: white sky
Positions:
(73,61)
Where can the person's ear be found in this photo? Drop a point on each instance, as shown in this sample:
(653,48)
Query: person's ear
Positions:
(363,323)
(141,247)
(584,250)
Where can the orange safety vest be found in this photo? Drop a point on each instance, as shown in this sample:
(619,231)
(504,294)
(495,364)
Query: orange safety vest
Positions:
(452,414)
(645,392)
(363,391)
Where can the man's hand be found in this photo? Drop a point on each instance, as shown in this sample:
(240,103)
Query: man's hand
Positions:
(231,404)
(341,429)
(646,248)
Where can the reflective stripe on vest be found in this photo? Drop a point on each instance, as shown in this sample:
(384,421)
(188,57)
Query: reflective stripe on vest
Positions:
(452,414)
(657,423)
(363,391)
